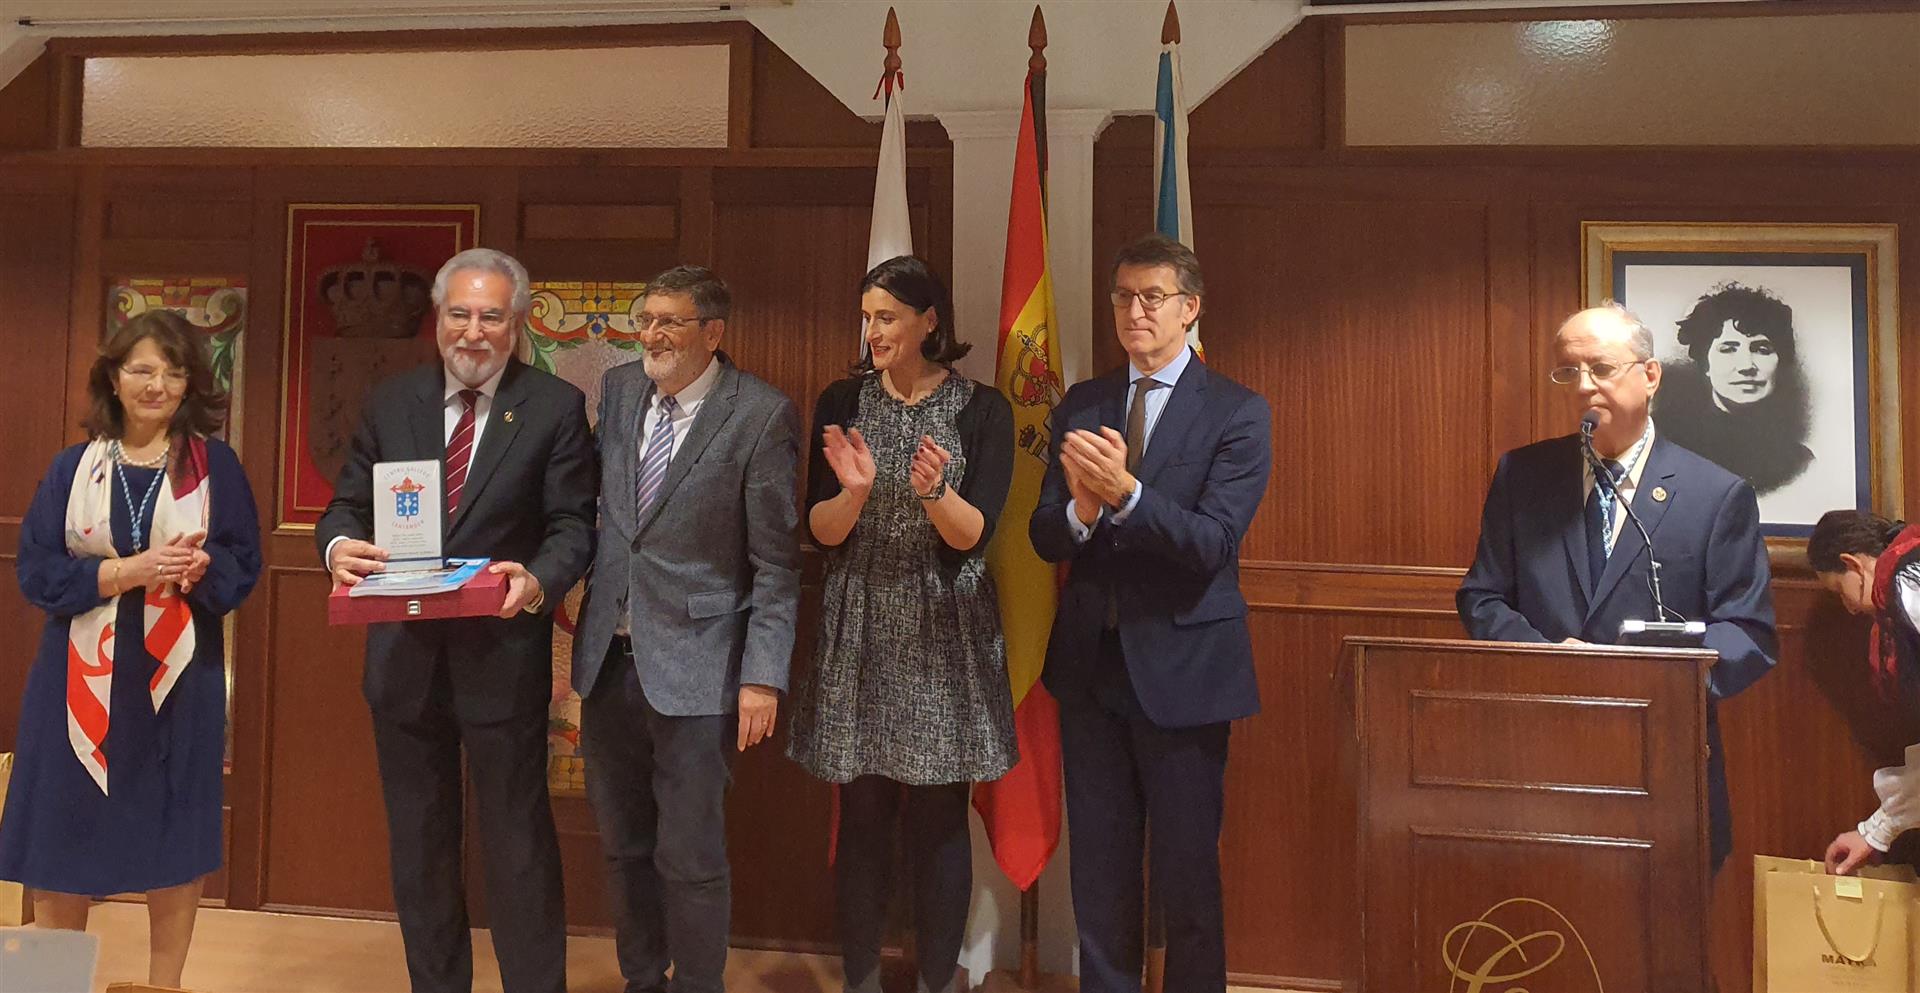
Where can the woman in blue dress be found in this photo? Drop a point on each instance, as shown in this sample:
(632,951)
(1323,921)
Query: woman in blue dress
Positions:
(137,542)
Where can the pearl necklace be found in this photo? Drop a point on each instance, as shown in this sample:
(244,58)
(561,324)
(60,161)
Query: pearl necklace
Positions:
(119,454)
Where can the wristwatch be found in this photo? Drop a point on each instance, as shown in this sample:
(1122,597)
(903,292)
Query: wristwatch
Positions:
(939,490)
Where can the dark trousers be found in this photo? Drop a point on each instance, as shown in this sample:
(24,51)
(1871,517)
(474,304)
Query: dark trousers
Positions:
(658,786)
(420,778)
(941,853)
(1140,792)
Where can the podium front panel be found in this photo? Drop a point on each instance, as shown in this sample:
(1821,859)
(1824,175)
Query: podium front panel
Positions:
(1530,816)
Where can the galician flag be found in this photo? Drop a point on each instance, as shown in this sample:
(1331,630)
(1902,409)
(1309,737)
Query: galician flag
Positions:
(1021,810)
(1173,200)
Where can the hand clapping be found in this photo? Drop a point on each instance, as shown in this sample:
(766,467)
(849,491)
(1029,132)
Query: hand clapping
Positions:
(851,460)
(929,467)
(1096,467)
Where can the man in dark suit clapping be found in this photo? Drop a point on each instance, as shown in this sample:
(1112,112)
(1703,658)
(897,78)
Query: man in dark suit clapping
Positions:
(1157,470)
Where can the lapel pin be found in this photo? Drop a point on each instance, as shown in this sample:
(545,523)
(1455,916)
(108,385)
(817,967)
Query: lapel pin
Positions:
(508,417)
(1659,494)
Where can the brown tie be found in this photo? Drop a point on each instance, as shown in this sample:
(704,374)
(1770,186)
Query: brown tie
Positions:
(1136,447)
(1137,421)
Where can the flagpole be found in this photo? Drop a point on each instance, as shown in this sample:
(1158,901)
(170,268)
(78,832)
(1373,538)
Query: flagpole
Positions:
(890,37)
(1030,897)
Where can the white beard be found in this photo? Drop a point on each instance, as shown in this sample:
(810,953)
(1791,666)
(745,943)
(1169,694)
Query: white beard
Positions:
(663,367)
(473,366)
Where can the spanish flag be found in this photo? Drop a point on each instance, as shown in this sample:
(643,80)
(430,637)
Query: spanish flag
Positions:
(1022,809)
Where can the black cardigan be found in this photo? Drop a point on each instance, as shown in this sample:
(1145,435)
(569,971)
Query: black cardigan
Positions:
(985,426)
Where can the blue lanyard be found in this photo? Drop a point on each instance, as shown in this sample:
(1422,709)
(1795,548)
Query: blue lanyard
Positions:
(140,513)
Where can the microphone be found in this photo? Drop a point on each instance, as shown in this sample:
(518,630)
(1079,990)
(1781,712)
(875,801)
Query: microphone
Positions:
(1678,634)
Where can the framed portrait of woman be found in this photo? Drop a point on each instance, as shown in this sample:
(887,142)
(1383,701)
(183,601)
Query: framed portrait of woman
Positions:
(1779,350)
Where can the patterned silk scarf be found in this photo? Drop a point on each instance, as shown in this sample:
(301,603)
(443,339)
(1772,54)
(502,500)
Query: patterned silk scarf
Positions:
(1894,650)
(180,509)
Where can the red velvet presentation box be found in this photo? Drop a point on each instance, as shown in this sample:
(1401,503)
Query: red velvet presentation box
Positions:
(482,596)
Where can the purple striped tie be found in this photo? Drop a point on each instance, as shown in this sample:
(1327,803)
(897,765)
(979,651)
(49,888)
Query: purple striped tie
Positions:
(654,459)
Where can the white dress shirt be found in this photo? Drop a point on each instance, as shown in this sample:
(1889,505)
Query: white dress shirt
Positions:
(1169,377)
(687,403)
(688,400)
(1635,462)
(1898,786)
(450,398)
(482,407)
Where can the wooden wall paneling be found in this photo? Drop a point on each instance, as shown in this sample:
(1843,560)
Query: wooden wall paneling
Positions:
(696,216)
(1372,392)
(558,183)
(36,255)
(326,835)
(85,307)
(1513,336)
(616,224)
(1289,847)
(259,403)
(27,106)
(741,98)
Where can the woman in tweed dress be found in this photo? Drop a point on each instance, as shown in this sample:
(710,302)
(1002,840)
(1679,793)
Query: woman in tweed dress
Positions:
(907,704)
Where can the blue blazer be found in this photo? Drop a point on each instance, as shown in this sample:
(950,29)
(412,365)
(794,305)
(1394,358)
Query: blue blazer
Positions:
(1174,563)
(1529,578)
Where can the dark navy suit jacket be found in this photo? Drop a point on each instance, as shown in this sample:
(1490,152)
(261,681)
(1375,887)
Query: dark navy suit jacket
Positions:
(1529,578)
(1174,563)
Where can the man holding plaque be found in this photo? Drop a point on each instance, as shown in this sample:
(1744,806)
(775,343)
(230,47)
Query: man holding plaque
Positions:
(516,484)
(684,640)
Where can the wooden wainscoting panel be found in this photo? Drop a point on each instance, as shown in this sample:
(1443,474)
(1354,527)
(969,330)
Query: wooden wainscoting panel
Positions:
(1482,741)
(1287,851)
(36,258)
(325,826)
(170,216)
(1376,396)
(20,626)
(599,221)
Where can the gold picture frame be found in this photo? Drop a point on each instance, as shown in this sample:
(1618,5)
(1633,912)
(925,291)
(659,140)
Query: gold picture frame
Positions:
(1836,286)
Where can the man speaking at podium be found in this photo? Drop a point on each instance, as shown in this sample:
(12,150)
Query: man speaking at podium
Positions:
(1561,558)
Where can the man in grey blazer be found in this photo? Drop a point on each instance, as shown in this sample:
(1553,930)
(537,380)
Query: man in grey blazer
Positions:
(684,640)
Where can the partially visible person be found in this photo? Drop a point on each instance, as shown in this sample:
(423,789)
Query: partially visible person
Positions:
(1741,400)
(1873,566)
(684,640)
(464,700)
(147,529)
(908,704)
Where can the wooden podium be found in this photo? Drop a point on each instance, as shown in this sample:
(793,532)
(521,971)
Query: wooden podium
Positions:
(1531,816)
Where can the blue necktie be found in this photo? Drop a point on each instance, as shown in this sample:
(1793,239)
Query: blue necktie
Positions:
(1599,517)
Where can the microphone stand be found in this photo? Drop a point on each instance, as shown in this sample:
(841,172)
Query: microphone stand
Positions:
(1665,630)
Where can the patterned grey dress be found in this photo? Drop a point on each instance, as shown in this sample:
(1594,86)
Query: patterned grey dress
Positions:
(909,678)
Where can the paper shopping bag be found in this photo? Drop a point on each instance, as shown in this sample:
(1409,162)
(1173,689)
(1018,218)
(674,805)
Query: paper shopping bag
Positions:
(1816,933)
(13,898)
